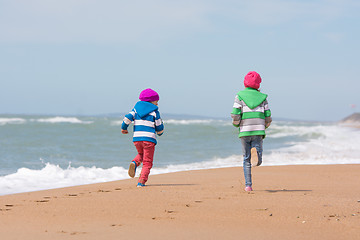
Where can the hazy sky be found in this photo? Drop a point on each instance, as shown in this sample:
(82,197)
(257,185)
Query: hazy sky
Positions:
(93,57)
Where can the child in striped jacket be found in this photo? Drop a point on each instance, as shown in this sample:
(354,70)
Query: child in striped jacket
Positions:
(251,114)
(147,123)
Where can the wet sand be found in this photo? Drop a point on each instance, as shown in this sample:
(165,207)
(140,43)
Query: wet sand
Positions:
(288,202)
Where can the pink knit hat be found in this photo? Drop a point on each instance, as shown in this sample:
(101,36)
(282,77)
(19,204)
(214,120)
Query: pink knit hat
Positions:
(149,95)
(252,79)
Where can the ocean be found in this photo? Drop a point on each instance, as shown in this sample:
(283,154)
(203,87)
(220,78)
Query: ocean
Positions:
(45,152)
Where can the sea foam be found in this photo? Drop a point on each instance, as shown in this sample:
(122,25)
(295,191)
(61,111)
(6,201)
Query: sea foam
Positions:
(58,119)
(318,144)
(62,120)
(53,176)
(4,121)
(186,122)
(197,122)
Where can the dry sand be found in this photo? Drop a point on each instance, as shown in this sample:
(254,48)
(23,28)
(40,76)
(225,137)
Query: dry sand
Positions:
(288,202)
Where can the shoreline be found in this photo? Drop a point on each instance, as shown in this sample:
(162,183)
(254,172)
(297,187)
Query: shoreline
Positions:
(288,202)
(200,169)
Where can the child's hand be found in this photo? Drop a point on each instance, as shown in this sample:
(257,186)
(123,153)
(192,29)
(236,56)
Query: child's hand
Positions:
(124,131)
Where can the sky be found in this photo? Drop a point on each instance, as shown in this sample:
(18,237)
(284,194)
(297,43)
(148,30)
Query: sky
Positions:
(70,57)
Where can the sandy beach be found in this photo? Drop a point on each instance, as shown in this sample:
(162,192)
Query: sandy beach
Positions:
(288,202)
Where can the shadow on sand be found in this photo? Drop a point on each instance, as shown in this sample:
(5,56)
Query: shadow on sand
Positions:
(286,190)
(169,185)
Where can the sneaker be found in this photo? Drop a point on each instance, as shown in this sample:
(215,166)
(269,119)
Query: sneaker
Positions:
(248,189)
(132,169)
(254,158)
(140,185)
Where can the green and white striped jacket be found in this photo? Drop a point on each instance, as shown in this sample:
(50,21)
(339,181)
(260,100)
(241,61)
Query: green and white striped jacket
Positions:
(251,112)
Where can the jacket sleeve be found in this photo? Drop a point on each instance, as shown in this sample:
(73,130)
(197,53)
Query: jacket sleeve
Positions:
(127,120)
(159,125)
(267,114)
(236,112)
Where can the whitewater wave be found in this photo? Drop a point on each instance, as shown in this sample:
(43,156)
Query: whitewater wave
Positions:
(4,121)
(62,120)
(279,131)
(197,121)
(116,123)
(186,122)
(53,176)
(320,144)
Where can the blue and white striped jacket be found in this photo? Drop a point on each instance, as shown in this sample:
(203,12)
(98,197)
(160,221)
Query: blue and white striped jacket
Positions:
(147,122)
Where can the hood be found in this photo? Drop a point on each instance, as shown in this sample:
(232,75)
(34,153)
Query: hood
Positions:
(252,97)
(144,108)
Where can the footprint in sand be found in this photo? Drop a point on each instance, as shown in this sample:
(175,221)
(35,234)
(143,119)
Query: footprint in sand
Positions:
(72,233)
(262,209)
(116,225)
(76,233)
(72,195)
(104,190)
(7,207)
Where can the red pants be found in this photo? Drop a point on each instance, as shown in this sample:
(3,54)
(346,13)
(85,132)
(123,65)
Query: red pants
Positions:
(145,156)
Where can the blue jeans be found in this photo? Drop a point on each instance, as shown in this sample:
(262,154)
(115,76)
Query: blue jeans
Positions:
(249,142)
